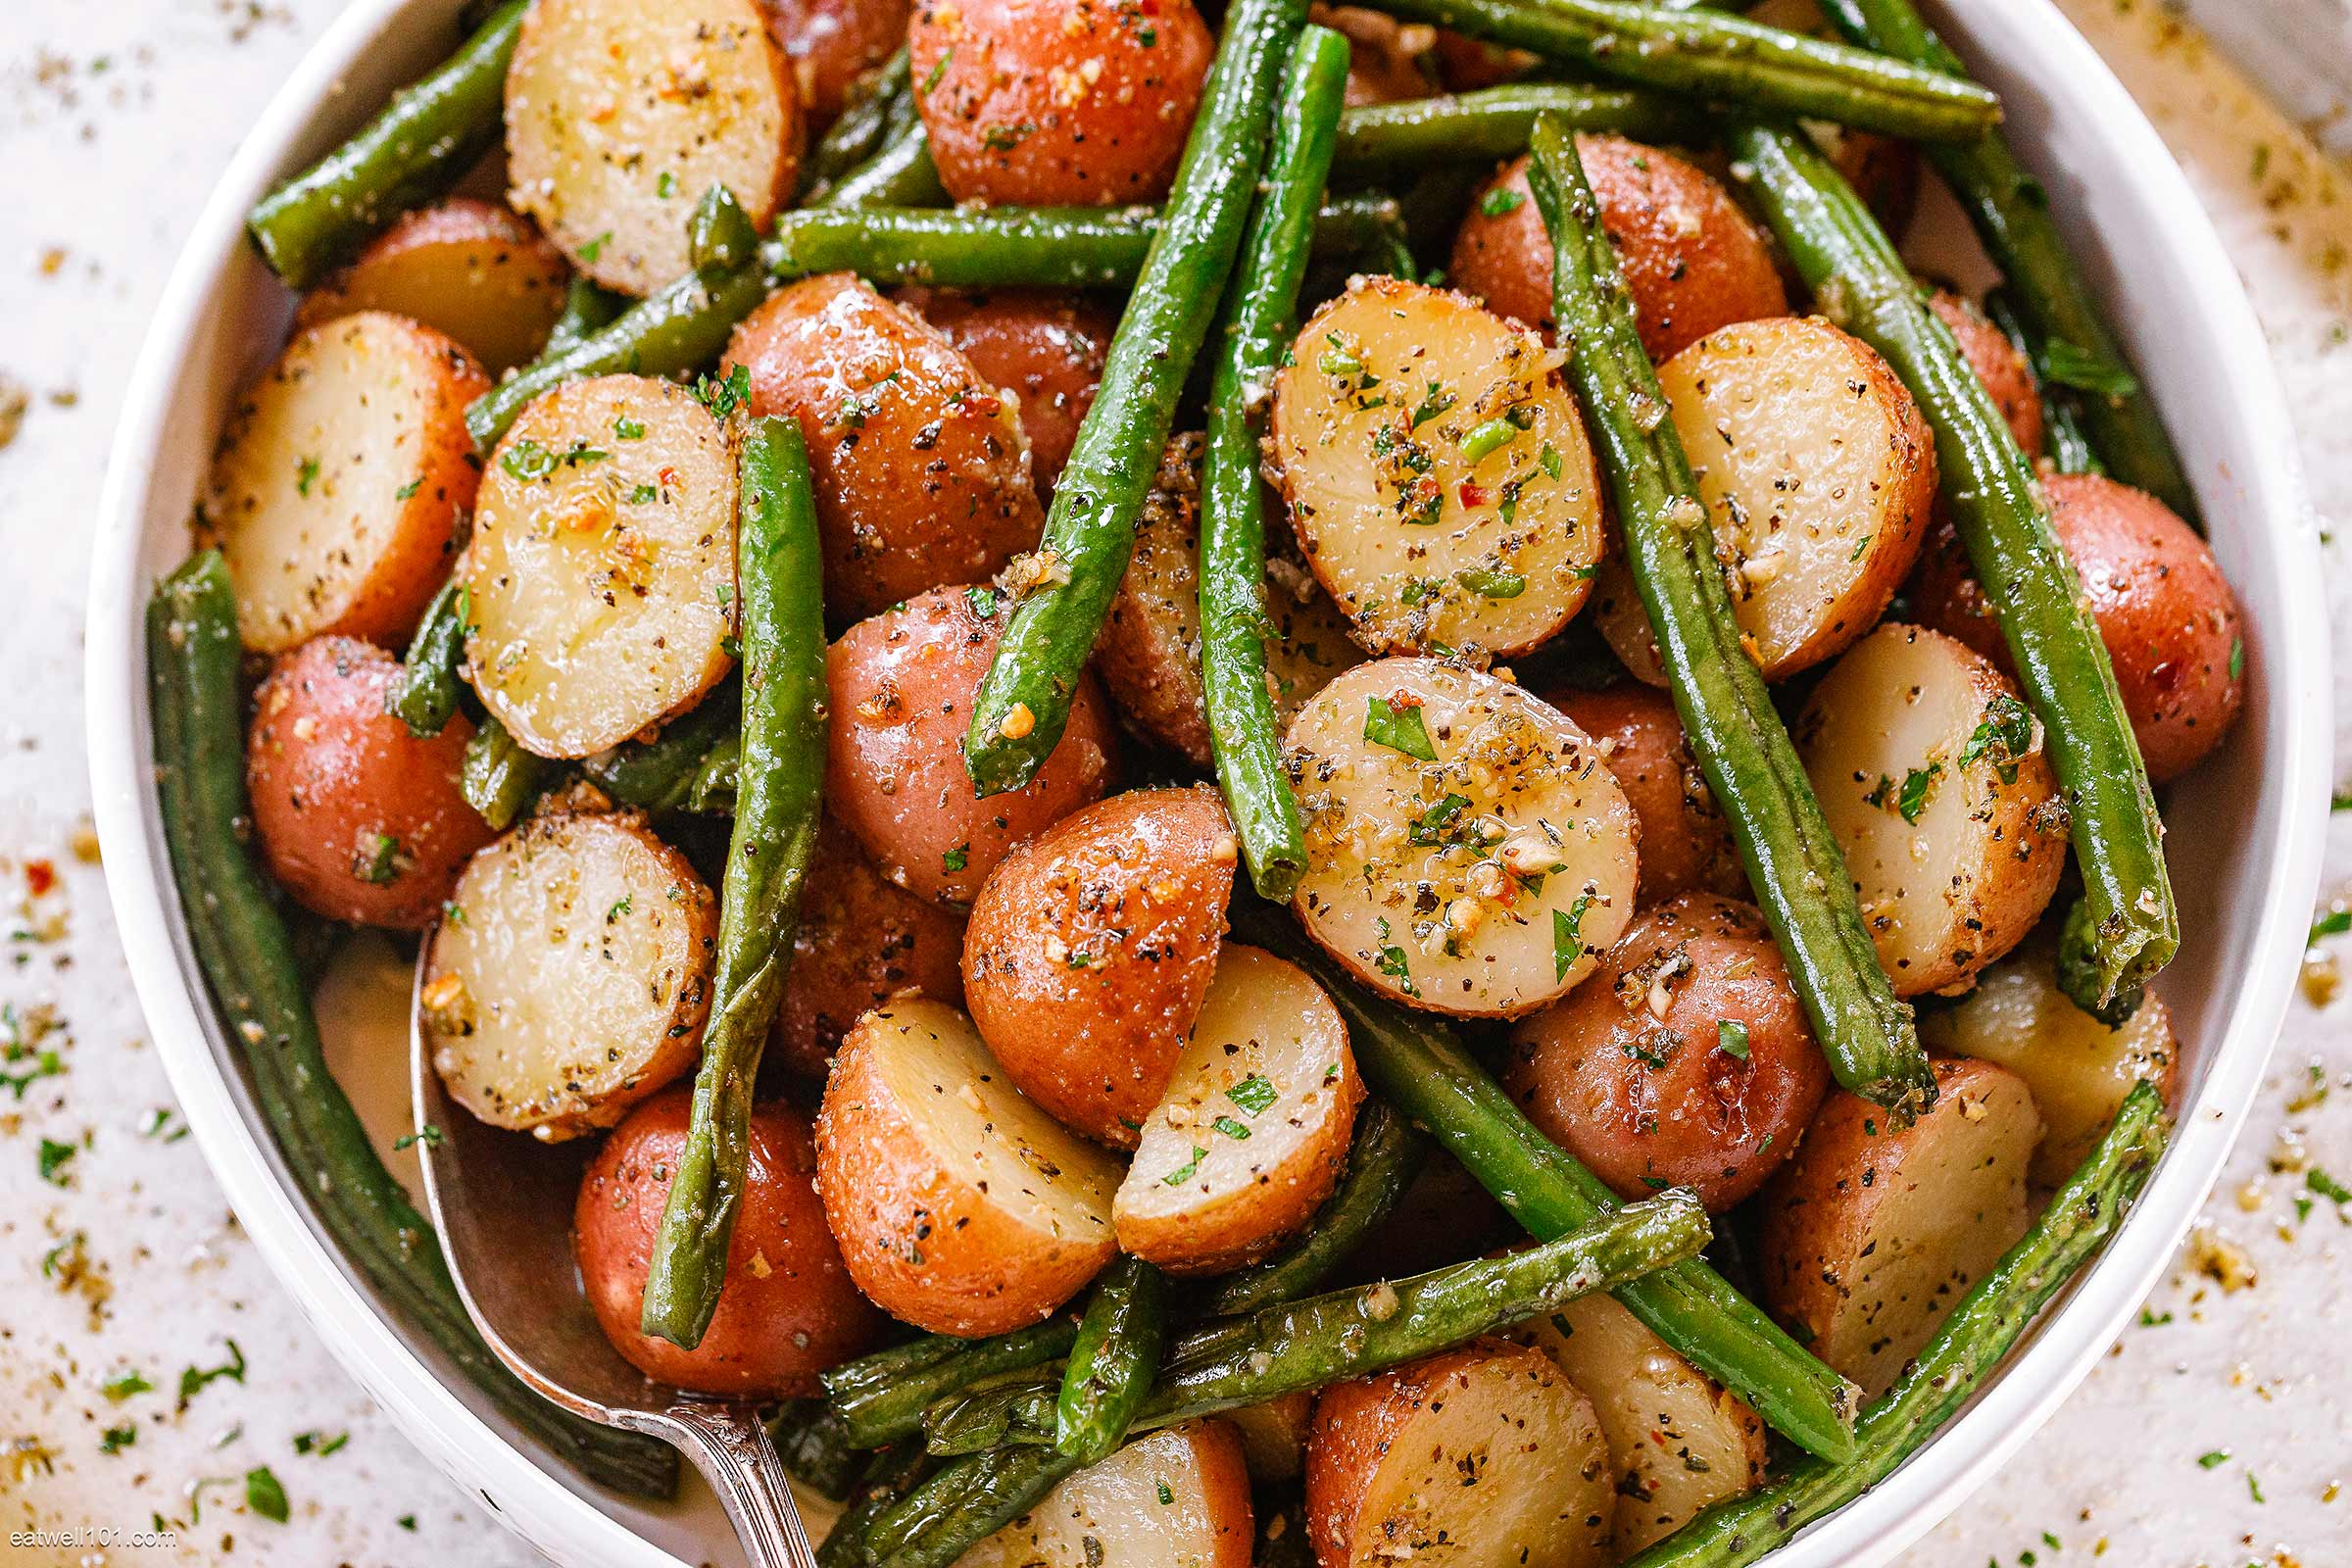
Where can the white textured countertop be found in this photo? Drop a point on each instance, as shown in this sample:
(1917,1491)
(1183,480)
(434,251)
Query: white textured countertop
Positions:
(2216,1434)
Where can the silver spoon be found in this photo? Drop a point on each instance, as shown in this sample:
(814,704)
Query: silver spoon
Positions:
(501,1203)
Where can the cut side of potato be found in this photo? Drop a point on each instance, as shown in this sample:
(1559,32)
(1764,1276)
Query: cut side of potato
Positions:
(1253,1129)
(1178,1498)
(1874,1232)
(2078,1068)
(1436,470)
(1467,849)
(959,1205)
(340,479)
(1932,774)
(1679,1443)
(465,267)
(1149,651)
(603,564)
(621,114)
(570,973)
(1483,1456)
(1274,1435)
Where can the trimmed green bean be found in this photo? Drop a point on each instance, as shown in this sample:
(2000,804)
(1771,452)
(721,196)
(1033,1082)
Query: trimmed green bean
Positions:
(782,630)
(1111,1363)
(659,776)
(1259,316)
(196,696)
(962,1505)
(882,1397)
(499,779)
(900,174)
(1990,490)
(889,1474)
(1378,140)
(721,236)
(1939,1381)
(1382,1162)
(1793,859)
(815,1447)
(2067,444)
(859,131)
(1024,701)
(588,309)
(413,152)
(426,694)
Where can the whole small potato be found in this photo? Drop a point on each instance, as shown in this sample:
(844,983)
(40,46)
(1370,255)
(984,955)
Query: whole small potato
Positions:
(901,685)
(1691,258)
(1686,844)
(359,819)
(919,469)
(1998,363)
(1073,103)
(1685,1060)
(2163,608)
(862,941)
(830,44)
(788,1310)
(1044,345)
(1091,949)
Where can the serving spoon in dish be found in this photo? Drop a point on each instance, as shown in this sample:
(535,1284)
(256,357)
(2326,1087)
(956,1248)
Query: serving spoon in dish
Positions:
(502,1205)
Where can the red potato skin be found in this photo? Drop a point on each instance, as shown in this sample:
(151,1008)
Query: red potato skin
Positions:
(1691,258)
(862,941)
(1998,364)
(331,775)
(2162,606)
(1387,61)
(522,281)
(1647,1099)
(831,43)
(1467,64)
(1139,883)
(1686,844)
(1046,346)
(788,1310)
(1058,103)
(901,687)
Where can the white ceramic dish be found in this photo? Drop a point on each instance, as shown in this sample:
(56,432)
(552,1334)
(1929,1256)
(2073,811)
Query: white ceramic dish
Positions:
(2245,828)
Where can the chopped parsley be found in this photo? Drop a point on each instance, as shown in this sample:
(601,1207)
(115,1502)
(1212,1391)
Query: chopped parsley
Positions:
(1567,938)
(306,474)
(407,491)
(319,1443)
(2148,1320)
(2003,735)
(956,859)
(1252,1095)
(1491,584)
(1340,359)
(1398,729)
(1004,138)
(1429,828)
(429,1135)
(264,1496)
(2326,1186)
(381,862)
(724,397)
(628,429)
(1230,1128)
(193,1379)
(588,252)
(114,1440)
(1731,1038)
(1914,798)
(1165,1496)
(1550,458)
(932,80)
(643,494)
(1435,400)
(2212,1457)
(1392,961)
(983,602)
(1184,1172)
(122,1388)
(2238,657)
(1501,201)
(53,1158)
(2334,923)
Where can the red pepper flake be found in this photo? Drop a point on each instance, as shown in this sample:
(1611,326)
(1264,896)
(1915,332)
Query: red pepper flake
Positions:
(1401,701)
(40,876)
(1472,494)
(668,479)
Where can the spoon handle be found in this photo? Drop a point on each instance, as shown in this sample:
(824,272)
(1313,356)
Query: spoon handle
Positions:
(732,1450)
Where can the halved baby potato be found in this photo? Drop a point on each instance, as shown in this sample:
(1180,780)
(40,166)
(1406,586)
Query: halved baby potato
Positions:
(465,267)
(960,1207)
(621,114)
(1819,478)
(1876,1230)
(1930,772)
(1679,1442)
(2078,1068)
(340,479)
(1467,849)
(1485,1456)
(603,564)
(1178,1498)
(1252,1134)
(1437,471)
(1149,653)
(570,973)
(1274,1435)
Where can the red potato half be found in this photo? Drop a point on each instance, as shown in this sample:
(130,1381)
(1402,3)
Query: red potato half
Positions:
(1091,949)
(920,467)
(1046,346)
(1178,1498)
(1686,844)
(830,44)
(465,267)
(340,479)
(788,1309)
(1691,258)
(569,976)
(2163,608)
(601,570)
(359,819)
(1252,1134)
(959,1205)
(1058,103)
(1485,1456)
(621,114)
(1874,1231)
(1467,849)
(902,685)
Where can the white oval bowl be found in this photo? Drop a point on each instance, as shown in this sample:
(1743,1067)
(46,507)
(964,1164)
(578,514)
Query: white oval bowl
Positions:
(2245,827)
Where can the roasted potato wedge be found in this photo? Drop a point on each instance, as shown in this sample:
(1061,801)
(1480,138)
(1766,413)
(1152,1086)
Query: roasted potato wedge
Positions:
(862,941)
(1178,1498)
(463,267)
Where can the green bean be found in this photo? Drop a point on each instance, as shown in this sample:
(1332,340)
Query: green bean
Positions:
(1111,1363)
(782,631)
(1725,58)
(815,1447)
(426,694)
(659,776)
(499,779)
(2069,445)
(588,309)
(963,1504)
(889,1474)
(713,792)
(859,131)
(882,1395)
(721,236)
(1259,316)
(1419,1067)
(1492,123)
(1024,701)
(413,152)
(250,964)
(1940,1380)
(1990,490)
(1382,1162)
(1793,859)
(900,174)
(2011,214)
